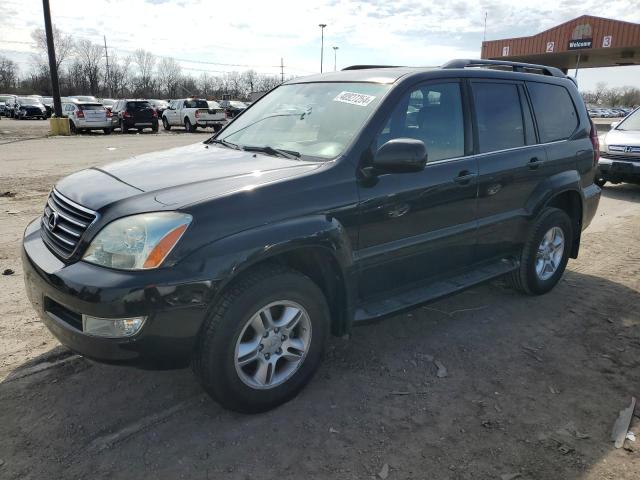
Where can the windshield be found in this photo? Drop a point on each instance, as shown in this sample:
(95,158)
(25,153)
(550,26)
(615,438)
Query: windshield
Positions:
(632,122)
(313,119)
(28,101)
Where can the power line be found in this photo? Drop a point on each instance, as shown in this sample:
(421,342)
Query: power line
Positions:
(184,60)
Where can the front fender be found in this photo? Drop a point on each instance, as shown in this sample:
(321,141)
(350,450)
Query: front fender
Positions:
(224,259)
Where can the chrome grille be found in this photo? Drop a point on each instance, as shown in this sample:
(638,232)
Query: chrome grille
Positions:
(63,224)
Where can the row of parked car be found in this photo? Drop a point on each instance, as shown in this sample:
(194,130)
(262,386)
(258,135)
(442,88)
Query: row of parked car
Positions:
(86,112)
(597,112)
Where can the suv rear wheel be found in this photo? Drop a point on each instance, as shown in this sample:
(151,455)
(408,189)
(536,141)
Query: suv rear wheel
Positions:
(263,340)
(545,254)
(165,124)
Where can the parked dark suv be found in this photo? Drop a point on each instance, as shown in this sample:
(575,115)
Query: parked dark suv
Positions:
(130,114)
(333,200)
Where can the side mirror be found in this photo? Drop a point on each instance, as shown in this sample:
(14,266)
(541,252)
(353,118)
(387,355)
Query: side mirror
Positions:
(614,125)
(401,155)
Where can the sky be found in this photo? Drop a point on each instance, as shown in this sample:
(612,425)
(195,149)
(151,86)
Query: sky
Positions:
(220,36)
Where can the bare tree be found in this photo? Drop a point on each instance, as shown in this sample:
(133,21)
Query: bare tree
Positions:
(8,73)
(145,61)
(62,43)
(90,57)
(169,75)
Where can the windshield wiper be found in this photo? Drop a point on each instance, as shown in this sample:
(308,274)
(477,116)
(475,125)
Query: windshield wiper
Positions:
(225,143)
(290,154)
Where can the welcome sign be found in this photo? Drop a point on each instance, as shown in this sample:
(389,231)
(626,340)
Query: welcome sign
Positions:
(579,44)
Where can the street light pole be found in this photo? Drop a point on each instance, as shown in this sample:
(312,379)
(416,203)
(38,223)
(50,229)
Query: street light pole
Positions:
(335,57)
(55,86)
(321,25)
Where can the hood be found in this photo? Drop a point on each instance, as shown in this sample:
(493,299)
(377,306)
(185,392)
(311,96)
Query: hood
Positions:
(626,138)
(180,176)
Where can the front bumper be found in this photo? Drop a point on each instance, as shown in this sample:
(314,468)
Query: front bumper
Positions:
(61,293)
(31,113)
(619,169)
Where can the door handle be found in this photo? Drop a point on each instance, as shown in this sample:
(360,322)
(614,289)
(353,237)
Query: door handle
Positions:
(464,177)
(534,163)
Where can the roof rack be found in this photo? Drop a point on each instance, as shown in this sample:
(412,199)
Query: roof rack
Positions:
(515,66)
(366,67)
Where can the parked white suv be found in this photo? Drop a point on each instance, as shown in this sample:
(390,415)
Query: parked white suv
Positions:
(84,116)
(192,113)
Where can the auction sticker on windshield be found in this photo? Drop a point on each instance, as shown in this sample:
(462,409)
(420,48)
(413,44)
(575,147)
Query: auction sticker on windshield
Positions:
(354,98)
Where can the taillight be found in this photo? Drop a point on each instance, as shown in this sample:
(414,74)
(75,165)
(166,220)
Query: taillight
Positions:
(109,114)
(79,114)
(197,113)
(154,113)
(595,141)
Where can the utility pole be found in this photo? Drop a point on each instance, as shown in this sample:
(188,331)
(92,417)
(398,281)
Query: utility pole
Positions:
(484,35)
(281,70)
(53,70)
(106,54)
(321,25)
(335,57)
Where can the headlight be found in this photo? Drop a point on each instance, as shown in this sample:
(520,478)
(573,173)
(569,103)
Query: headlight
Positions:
(138,242)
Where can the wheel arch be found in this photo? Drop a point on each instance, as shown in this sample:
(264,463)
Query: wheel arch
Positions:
(316,247)
(570,201)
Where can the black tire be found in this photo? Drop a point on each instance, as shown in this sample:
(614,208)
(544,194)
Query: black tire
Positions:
(525,277)
(599,181)
(165,124)
(154,128)
(188,126)
(140,130)
(123,129)
(72,128)
(107,131)
(214,357)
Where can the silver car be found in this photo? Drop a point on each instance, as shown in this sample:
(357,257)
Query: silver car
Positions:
(86,116)
(620,152)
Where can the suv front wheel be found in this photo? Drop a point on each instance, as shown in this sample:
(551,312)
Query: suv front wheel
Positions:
(263,340)
(545,254)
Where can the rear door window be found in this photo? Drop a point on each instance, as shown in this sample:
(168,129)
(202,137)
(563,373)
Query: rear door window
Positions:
(554,110)
(499,117)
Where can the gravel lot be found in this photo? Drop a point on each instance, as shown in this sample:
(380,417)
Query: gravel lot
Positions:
(533,384)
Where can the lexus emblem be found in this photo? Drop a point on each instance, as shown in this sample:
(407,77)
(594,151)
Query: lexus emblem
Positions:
(52,221)
(628,149)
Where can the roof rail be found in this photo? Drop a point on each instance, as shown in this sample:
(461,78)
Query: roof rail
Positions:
(515,66)
(366,67)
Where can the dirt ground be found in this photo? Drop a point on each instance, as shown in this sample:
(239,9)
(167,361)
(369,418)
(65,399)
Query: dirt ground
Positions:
(532,388)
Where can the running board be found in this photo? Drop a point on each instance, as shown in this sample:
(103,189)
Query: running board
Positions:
(406,300)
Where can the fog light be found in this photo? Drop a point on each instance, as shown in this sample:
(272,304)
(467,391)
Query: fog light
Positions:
(112,327)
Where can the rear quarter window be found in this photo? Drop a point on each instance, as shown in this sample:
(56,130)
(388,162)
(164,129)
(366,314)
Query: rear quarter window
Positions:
(554,110)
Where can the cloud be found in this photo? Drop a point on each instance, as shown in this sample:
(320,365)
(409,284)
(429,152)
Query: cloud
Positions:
(259,33)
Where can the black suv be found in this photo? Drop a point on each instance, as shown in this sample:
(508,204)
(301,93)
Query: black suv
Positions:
(333,200)
(138,114)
